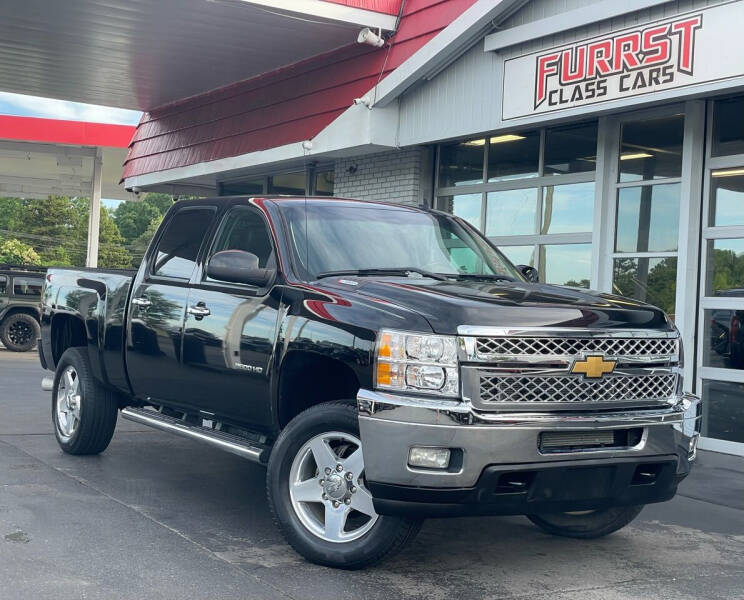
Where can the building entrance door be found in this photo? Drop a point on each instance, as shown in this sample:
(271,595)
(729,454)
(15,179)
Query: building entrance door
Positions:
(720,352)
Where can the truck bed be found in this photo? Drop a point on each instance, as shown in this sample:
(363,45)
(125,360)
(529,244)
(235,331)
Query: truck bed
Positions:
(98,299)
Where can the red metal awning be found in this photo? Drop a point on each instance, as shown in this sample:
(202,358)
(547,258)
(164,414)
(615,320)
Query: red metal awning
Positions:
(54,131)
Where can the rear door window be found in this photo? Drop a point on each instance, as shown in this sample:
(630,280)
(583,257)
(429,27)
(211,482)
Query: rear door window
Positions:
(179,245)
(3,285)
(27,287)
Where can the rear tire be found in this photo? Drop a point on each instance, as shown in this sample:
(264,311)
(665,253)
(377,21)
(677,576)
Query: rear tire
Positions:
(332,524)
(19,332)
(83,411)
(585,524)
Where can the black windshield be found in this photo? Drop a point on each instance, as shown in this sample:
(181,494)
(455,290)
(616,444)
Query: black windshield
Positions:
(358,237)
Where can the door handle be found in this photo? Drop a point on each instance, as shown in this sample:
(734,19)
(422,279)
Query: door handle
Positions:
(199,311)
(141,302)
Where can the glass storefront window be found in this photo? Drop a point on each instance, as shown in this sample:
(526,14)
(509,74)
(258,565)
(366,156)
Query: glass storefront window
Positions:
(324,183)
(647,218)
(567,264)
(292,184)
(513,155)
(723,338)
(568,208)
(519,255)
(723,410)
(652,280)
(527,223)
(651,148)
(727,197)
(511,212)
(571,149)
(725,275)
(461,164)
(728,126)
(244,187)
(465,206)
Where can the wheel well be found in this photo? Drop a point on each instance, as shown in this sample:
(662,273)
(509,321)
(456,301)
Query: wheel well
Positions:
(21,309)
(67,331)
(308,379)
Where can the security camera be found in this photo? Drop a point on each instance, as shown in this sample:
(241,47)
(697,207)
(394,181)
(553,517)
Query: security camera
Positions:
(364,101)
(367,36)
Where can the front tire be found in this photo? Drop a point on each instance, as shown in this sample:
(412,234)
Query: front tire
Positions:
(586,524)
(19,332)
(317,493)
(83,411)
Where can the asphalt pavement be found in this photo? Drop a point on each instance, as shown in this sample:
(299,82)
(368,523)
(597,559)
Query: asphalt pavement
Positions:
(160,517)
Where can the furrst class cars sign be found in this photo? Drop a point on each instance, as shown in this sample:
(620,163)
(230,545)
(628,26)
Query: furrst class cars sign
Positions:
(692,48)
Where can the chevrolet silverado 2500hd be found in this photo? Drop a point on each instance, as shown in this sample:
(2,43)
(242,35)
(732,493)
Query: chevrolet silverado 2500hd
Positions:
(385,362)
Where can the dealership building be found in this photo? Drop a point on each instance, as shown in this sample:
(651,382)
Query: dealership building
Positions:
(600,141)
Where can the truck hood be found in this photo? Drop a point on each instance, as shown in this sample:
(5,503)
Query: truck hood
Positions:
(448,304)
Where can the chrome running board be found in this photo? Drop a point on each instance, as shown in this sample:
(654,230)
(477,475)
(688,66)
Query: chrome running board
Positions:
(219,439)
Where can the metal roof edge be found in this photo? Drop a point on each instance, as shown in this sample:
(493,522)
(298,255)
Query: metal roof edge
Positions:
(357,129)
(445,47)
(332,11)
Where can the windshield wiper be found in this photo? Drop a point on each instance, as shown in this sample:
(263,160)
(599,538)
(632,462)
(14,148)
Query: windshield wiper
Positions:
(485,276)
(404,271)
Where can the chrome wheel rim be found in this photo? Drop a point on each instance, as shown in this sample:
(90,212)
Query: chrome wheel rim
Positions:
(69,398)
(20,333)
(327,490)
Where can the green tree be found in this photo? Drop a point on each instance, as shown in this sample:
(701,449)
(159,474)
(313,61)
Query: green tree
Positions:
(111,251)
(133,218)
(10,210)
(160,201)
(15,252)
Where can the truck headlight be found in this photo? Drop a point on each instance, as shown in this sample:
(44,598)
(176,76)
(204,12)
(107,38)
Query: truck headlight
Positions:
(416,362)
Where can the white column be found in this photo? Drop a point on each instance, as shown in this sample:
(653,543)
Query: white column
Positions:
(688,261)
(94,218)
(603,233)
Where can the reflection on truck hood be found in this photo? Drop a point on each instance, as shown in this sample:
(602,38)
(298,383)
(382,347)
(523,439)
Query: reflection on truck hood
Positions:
(447,304)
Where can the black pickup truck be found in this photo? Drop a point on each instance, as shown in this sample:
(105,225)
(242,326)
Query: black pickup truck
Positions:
(385,362)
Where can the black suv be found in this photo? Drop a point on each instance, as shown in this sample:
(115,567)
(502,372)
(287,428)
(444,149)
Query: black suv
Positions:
(20,293)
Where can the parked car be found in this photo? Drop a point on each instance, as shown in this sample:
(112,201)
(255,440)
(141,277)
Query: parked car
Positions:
(387,363)
(20,293)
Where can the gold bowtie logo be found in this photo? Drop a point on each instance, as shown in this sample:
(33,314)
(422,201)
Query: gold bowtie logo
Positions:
(593,367)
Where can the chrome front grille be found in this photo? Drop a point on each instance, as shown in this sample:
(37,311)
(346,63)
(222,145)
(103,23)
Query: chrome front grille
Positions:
(507,369)
(504,348)
(570,388)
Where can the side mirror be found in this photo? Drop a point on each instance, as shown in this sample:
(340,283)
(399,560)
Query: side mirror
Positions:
(530,273)
(238,266)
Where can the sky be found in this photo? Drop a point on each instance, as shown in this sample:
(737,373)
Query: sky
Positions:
(35,106)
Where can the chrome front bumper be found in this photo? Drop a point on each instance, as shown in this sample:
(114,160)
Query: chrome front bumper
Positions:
(391,424)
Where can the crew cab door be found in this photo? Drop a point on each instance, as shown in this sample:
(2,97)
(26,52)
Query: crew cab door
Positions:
(158,305)
(231,328)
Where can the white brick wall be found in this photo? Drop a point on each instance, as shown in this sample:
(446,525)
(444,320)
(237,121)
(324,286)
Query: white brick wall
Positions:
(402,176)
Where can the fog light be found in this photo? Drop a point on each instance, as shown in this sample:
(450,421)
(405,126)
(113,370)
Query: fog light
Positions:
(429,458)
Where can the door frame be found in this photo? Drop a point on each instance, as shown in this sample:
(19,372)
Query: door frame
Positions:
(705,302)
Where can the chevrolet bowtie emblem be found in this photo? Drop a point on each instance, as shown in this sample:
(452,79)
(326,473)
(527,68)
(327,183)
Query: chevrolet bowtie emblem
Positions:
(593,367)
